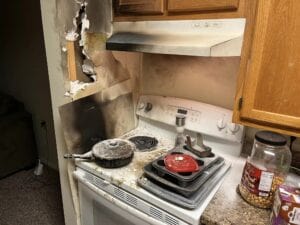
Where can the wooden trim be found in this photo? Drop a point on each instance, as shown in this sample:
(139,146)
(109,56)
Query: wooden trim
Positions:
(245,56)
(273,118)
(249,110)
(249,114)
(71,60)
(241,12)
(139,7)
(203,5)
(251,78)
(269,126)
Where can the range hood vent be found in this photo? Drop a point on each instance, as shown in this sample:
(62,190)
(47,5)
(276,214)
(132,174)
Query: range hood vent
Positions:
(189,37)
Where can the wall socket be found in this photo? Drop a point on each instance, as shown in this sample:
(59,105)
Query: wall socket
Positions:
(43,123)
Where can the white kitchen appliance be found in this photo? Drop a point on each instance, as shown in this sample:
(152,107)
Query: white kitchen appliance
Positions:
(112,196)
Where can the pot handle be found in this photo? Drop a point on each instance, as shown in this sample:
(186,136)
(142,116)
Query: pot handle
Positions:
(206,152)
(87,155)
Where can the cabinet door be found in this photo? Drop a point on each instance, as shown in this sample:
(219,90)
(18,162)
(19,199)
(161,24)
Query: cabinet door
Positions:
(201,5)
(271,92)
(139,6)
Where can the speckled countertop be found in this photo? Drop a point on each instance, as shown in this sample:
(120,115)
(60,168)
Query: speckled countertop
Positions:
(228,208)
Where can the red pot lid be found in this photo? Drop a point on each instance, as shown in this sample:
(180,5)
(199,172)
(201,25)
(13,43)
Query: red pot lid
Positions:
(181,163)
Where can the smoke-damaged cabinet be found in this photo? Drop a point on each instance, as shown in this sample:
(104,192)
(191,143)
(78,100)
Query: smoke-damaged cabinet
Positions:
(138,7)
(268,94)
(201,5)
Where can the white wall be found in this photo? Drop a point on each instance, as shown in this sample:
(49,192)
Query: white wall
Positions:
(207,79)
(23,71)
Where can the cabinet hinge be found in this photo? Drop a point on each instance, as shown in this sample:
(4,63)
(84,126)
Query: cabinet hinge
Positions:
(240,103)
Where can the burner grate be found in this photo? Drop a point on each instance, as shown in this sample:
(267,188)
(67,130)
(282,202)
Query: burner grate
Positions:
(144,143)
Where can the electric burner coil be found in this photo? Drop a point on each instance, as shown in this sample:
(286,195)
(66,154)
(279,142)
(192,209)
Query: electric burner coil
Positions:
(144,143)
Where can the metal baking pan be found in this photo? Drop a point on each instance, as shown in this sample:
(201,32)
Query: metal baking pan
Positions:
(170,183)
(191,202)
(182,179)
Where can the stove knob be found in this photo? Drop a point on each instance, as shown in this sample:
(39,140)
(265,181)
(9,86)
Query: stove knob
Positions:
(141,106)
(221,124)
(233,128)
(148,107)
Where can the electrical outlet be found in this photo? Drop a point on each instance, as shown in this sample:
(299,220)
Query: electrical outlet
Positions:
(43,123)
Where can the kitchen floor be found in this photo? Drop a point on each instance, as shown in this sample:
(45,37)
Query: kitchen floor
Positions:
(26,199)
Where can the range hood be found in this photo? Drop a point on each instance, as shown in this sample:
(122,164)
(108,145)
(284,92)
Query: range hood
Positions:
(222,37)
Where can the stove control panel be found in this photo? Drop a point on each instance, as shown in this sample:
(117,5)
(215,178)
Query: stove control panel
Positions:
(200,117)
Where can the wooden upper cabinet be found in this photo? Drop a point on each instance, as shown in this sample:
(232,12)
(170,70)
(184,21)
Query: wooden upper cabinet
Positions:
(201,5)
(270,91)
(139,10)
(142,7)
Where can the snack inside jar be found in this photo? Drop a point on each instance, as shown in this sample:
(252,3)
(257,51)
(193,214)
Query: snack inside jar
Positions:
(265,169)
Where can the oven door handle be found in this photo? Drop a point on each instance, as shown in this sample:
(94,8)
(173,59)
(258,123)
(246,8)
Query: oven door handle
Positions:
(79,175)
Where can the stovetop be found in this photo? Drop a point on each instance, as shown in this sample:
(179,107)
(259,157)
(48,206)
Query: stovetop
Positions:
(127,178)
(159,123)
(129,174)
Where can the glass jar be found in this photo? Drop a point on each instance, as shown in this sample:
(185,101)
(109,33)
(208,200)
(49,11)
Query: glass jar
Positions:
(265,169)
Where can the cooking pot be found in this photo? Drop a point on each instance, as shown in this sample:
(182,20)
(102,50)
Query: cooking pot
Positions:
(110,153)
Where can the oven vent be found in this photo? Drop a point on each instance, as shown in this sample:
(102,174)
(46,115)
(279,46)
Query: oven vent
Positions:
(89,177)
(99,183)
(119,193)
(131,200)
(157,214)
(171,220)
(125,197)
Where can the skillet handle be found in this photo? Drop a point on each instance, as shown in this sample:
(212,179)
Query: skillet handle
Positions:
(87,155)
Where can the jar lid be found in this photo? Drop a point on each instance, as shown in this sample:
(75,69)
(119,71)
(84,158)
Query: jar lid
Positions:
(270,138)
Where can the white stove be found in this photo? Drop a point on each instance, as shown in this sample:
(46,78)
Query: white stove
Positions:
(112,196)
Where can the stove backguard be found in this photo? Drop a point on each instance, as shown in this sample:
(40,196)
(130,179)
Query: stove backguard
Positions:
(209,123)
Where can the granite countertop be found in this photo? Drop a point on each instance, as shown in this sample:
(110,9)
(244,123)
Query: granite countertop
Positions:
(227,206)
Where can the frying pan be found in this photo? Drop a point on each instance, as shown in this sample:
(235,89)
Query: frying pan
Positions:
(110,153)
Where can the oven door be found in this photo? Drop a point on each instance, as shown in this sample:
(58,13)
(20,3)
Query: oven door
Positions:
(100,208)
